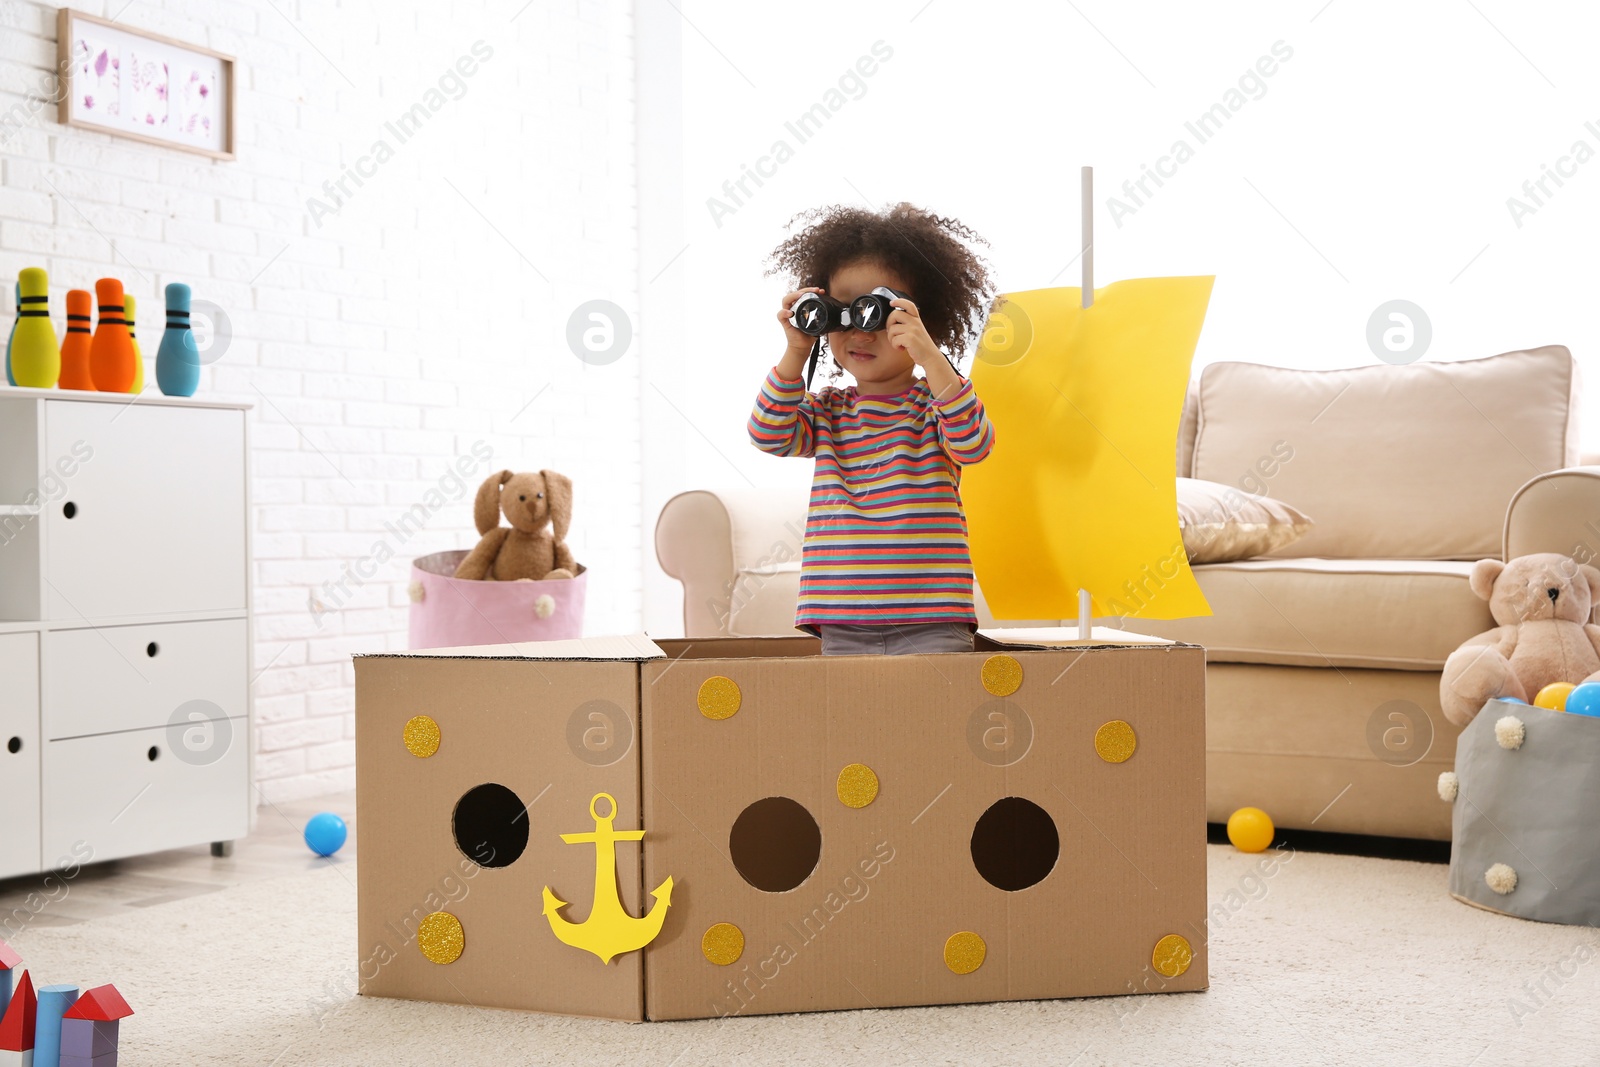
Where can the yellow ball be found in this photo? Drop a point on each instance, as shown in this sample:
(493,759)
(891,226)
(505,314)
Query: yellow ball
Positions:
(1250,830)
(1554,696)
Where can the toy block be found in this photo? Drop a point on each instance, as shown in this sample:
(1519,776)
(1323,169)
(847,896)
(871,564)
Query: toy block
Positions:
(10,960)
(54,1000)
(773,831)
(87,1038)
(108,1059)
(17,1026)
(9,1058)
(102,1003)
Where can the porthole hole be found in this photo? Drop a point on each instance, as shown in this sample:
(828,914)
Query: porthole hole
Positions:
(1015,844)
(491,825)
(775,844)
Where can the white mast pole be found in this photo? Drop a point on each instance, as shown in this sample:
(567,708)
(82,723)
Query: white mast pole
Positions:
(1086,257)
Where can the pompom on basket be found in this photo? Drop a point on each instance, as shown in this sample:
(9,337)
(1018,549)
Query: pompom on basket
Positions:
(447,612)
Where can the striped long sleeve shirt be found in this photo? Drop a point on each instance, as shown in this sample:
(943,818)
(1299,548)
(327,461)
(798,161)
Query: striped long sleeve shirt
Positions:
(886,538)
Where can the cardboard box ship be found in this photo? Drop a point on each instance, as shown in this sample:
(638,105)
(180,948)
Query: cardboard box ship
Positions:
(1025,821)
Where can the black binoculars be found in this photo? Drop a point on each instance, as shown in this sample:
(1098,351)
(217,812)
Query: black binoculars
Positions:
(815,314)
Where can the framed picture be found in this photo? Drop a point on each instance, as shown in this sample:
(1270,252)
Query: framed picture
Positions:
(141,85)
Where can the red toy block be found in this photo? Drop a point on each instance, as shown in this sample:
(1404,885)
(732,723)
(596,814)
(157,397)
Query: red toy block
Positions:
(17,1027)
(102,1004)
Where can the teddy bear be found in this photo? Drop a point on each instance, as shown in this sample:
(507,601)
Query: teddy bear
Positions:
(524,551)
(1542,603)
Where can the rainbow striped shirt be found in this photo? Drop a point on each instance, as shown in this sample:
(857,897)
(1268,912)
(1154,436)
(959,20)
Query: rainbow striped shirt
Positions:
(886,539)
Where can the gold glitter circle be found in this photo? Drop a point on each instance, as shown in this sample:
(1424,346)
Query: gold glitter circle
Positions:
(1002,675)
(1115,741)
(422,736)
(719,697)
(440,937)
(1172,955)
(722,944)
(857,786)
(964,952)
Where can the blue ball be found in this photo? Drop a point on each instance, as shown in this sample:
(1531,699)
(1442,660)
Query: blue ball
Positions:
(325,833)
(1585,700)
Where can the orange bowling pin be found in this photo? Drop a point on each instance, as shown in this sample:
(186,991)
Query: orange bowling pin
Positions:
(75,346)
(111,352)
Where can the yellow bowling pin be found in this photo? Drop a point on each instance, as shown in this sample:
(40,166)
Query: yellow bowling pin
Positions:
(35,352)
(128,304)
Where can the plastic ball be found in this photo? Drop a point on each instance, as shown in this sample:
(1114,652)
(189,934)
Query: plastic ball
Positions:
(1584,700)
(325,833)
(1250,830)
(1554,696)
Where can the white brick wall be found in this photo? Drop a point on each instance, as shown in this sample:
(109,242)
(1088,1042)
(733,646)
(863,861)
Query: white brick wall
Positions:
(429,313)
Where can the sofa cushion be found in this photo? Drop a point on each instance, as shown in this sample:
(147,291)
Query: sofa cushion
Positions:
(1414,462)
(1396,614)
(1221,523)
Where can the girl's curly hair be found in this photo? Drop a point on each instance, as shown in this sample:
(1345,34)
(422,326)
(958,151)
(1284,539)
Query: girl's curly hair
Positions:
(949,281)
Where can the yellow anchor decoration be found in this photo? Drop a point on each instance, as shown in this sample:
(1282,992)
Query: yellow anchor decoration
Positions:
(609,930)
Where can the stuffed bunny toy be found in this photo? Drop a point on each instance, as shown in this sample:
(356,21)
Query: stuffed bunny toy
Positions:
(525,550)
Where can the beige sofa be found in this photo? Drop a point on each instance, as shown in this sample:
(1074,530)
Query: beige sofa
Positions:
(1324,658)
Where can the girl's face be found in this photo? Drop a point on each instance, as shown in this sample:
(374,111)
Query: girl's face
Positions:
(876,365)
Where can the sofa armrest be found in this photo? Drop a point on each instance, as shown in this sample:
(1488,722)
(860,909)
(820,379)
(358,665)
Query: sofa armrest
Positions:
(1556,512)
(709,538)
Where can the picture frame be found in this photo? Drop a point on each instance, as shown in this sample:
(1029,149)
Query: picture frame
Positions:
(132,83)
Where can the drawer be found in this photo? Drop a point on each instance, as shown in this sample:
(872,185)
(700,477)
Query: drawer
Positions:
(136,677)
(151,517)
(142,791)
(19,754)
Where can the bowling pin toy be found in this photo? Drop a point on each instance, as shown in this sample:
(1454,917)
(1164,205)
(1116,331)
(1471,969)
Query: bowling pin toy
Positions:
(178,360)
(138,355)
(35,352)
(75,346)
(12,336)
(111,351)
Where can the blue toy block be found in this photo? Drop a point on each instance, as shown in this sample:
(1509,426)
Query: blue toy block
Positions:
(87,1038)
(54,1000)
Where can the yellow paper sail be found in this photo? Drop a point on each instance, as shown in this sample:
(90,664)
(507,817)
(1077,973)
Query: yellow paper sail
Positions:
(1080,491)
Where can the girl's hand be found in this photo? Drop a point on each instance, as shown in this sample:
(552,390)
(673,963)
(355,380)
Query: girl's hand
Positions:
(907,333)
(797,341)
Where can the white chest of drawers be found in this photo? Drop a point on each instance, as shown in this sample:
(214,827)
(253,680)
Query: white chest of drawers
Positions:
(124,627)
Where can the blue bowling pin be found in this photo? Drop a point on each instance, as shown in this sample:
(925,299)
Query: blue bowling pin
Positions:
(178,360)
(9,379)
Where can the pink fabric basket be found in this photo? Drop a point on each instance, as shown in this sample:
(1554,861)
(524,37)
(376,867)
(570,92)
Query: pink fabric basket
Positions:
(446,612)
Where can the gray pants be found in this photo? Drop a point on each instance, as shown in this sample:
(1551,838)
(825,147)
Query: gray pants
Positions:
(895,639)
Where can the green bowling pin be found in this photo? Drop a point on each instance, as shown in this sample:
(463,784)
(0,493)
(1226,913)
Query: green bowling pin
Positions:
(35,352)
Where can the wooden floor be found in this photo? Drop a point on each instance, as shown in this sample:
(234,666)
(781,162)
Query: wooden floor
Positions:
(274,849)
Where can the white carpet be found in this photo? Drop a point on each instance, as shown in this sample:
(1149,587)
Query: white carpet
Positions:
(1335,960)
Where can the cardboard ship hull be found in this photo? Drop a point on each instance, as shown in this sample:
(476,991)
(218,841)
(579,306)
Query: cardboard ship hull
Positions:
(894,871)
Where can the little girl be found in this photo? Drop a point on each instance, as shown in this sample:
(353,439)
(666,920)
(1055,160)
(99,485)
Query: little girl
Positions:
(885,568)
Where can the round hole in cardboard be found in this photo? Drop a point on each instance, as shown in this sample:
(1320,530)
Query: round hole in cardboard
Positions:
(1015,844)
(775,844)
(491,825)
